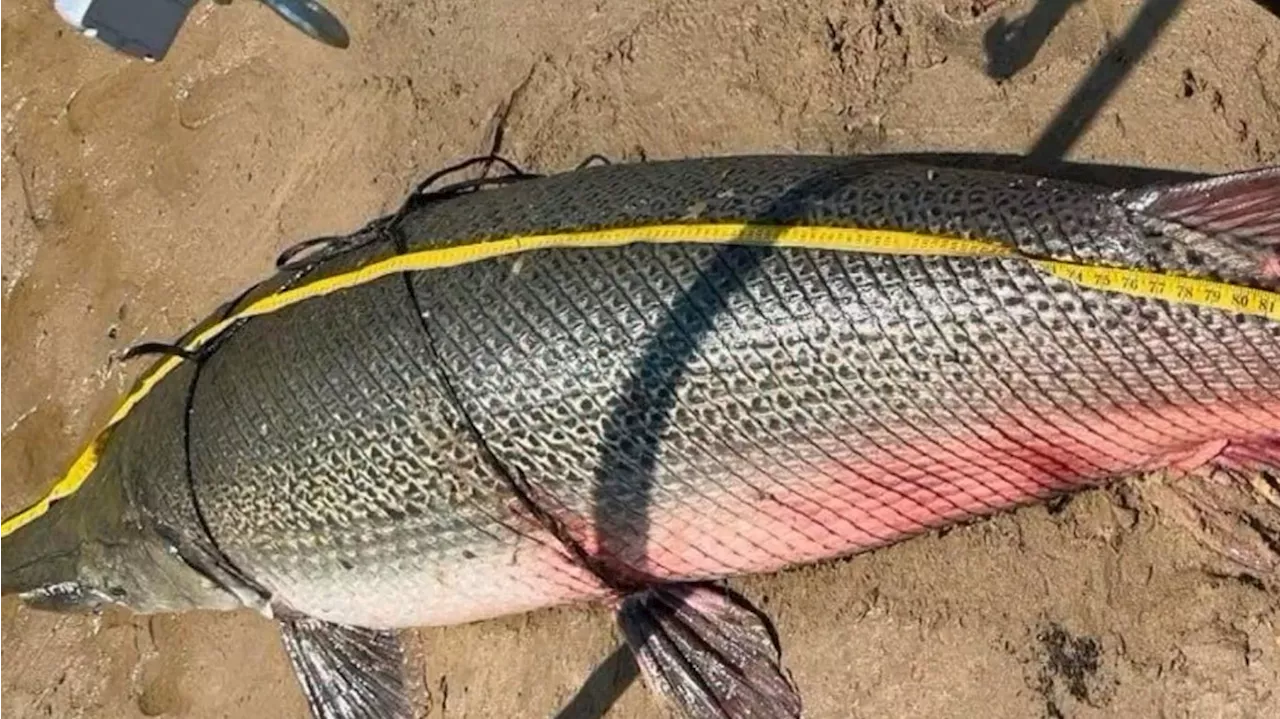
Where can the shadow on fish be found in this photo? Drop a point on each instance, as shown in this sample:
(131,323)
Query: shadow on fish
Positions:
(629,383)
(146,29)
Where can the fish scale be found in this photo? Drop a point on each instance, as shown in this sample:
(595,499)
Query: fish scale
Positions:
(920,356)
(897,402)
(587,386)
(512,341)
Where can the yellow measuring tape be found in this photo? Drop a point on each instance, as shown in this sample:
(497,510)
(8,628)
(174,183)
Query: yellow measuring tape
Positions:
(1171,288)
(1141,283)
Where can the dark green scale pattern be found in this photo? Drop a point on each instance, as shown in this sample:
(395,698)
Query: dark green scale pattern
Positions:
(628,385)
(597,375)
(1041,217)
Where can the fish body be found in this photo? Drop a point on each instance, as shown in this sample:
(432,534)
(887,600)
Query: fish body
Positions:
(625,377)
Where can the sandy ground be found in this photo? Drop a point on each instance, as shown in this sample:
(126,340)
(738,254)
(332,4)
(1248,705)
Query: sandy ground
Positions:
(136,197)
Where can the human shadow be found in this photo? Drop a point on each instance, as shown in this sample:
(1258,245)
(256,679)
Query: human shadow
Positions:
(1012,44)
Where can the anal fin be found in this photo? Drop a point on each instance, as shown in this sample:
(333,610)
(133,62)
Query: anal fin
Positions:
(708,652)
(1237,517)
(1234,508)
(347,672)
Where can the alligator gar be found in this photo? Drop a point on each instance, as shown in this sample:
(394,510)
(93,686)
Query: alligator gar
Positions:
(626,383)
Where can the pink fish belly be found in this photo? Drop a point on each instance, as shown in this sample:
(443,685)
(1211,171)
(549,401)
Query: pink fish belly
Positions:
(880,497)
(889,494)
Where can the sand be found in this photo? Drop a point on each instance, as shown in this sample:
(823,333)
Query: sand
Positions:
(136,197)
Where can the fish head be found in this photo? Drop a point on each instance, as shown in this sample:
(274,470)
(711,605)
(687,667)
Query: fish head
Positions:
(94,549)
(145,574)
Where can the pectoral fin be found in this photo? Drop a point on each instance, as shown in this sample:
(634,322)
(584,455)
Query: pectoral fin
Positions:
(347,672)
(708,652)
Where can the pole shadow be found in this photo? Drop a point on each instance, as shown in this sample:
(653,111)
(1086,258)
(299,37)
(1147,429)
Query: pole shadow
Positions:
(629,450)
(1091,94)
(629,447)
(603,687)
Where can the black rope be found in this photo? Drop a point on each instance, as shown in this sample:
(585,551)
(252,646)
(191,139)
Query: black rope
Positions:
(299,256)
(595,159)
(514,170)
(285,258)
(302,257)
(219,555)
(160,348)
(513,478)
(197,354)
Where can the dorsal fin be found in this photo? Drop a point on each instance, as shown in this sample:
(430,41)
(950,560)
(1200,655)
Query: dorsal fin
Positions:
(1243,205)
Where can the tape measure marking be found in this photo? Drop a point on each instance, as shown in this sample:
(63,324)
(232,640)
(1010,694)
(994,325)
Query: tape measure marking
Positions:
(1142,283)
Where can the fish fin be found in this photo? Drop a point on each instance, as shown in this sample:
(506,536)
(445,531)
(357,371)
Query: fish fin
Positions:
(1245,205)
(346,672)
(1233,508)
(1236,515)
(708,652)
(1239,211)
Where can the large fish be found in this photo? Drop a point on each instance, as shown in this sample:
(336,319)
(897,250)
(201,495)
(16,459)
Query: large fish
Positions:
(624,383)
